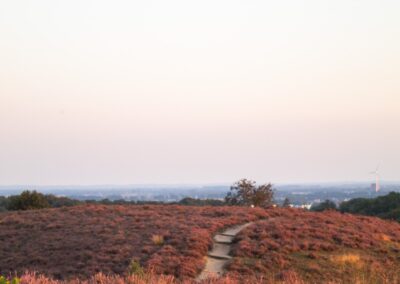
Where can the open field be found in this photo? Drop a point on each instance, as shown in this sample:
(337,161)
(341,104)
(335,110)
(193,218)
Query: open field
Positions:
(327,246)
(84,240)
(170,242)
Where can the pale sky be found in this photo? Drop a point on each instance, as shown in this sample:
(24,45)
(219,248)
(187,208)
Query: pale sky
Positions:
(125,92)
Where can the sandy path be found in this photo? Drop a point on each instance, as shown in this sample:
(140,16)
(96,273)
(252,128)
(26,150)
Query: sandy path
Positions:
(219,256)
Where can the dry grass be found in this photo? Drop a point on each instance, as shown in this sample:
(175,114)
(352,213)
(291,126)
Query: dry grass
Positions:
(157,240)
(348,259)
(385,238)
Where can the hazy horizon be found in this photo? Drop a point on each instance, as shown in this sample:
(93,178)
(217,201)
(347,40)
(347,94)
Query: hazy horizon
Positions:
(155,185)
(180,92)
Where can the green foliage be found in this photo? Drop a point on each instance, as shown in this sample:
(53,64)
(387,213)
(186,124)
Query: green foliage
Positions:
(27,200)
(386,207)
(34,200)
(3,203)
(286,202)
(135,268)
(57,201)
(326,205)
(4,280)
(246,192)
(201,202)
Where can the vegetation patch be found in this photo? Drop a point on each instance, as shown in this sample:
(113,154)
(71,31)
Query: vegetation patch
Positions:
(326,246)
(80,241)
(386,207)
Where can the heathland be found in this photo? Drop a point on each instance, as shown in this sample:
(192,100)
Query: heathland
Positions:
(168,244)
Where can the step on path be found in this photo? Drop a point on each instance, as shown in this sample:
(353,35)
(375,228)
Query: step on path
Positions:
(219,256)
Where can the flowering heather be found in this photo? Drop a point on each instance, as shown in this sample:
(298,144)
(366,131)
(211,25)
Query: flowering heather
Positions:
(167,243)
(148,278)
(326,246)
(81,241)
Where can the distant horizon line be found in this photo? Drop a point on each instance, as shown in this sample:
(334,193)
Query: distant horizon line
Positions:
(193,184)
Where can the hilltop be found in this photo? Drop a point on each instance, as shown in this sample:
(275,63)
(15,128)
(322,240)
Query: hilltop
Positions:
(83,240)
(319,248)
(281,244)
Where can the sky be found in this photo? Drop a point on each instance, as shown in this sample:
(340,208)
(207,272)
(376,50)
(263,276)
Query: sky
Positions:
(133,92)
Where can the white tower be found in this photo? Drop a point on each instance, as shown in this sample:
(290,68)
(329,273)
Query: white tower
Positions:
(377,179)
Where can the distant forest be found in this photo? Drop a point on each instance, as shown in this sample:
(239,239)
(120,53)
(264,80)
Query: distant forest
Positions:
(29,200)
(386,207)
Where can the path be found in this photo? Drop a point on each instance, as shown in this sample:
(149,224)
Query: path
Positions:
(219,256)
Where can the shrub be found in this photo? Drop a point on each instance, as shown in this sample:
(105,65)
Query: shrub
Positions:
(28,200)
(135,268)
(286,202)
(4,280)
(326,205)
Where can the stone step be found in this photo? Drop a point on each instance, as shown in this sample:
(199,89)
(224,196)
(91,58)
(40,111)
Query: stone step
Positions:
(223,239)
(214,268)
(220,249)
(220,256)
(227,235)
(235,230)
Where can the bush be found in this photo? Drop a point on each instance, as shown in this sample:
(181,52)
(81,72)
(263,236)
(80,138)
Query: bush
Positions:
(4,280)
(27,200)
(286,202)
(201,202)
(326,205)
(60,201)
(135,268)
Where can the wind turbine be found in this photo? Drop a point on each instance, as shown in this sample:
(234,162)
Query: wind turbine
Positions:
(377,179)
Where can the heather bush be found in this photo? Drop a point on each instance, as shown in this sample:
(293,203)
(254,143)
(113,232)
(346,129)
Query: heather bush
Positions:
(287,246)
(287,276)
(83,240)
(313,244)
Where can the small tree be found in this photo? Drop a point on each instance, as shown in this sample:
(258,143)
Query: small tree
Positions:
(28,200)
(286,202)
(246,192)
(326,205)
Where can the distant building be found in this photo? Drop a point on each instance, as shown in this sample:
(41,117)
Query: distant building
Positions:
(303,206)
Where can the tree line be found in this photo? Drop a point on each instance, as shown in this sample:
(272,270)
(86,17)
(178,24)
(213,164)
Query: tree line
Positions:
(385,207)
(242,193)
